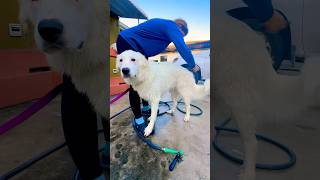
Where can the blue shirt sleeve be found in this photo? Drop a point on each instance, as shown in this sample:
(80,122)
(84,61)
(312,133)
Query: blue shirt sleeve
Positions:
(176,37)
(262,9)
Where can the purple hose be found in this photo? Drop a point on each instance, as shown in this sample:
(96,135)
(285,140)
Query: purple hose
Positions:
(118,97)
(35,107)
(38,105)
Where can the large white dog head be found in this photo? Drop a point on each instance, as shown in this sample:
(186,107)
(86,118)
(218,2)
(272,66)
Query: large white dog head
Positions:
(130,63)
(58,24)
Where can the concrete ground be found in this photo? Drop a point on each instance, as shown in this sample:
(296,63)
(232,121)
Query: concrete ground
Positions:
(133,159)
(41,132)
(301,135)
(130,157)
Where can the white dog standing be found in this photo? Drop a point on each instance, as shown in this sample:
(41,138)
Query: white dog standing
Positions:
(246,82)
(152,80)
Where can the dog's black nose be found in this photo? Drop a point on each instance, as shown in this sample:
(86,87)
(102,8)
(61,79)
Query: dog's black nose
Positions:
(50,30)
(125,71)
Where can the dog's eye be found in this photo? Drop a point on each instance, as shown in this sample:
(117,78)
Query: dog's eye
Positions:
(120,60)
(133,60)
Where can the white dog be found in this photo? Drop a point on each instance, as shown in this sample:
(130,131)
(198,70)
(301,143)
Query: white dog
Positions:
(244,80)
(151,80)
(73,36)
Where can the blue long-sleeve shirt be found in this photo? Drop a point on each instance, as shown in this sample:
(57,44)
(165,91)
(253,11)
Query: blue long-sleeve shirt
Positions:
(262,9)
(153,36)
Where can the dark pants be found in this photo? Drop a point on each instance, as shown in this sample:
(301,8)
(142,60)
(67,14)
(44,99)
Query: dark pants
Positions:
(134,98)
(80,130)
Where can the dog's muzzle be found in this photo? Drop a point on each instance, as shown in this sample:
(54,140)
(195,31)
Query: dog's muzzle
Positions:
(125,72)
(51,31)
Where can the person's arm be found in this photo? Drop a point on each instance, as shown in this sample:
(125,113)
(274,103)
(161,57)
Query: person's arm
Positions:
(273,21)
(176,37)
(262,9)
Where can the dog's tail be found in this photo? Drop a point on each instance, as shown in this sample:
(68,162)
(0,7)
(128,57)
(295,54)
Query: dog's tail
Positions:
(200,91)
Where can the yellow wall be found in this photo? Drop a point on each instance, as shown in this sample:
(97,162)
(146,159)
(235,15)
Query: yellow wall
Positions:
(114,31)
(9,11)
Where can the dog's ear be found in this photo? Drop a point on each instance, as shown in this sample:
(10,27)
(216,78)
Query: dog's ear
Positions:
(143,61)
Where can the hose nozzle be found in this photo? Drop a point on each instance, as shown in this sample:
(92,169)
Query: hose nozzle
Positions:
(173,151)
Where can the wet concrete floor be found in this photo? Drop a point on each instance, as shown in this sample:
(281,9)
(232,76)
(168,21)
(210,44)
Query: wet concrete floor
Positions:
(131,158)
(301,135)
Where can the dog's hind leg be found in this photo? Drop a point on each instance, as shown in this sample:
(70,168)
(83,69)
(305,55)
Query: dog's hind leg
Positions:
(247,127)
(174,96)
(153,117)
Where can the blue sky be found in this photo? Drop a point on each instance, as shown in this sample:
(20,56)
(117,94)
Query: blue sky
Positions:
(195,12)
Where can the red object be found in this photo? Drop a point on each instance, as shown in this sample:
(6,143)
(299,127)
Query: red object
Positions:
(117,85)
(24,76)
(113,52)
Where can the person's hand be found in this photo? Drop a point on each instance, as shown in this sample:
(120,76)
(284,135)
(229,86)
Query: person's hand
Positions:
(196,68)
(276,23)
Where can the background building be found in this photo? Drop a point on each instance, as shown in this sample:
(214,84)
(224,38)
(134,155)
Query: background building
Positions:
(24,72)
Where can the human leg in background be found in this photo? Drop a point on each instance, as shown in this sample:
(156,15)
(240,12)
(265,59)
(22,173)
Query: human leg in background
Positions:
(135,103)
(80,130)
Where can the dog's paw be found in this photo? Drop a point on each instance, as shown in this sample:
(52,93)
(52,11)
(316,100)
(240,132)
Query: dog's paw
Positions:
(148,130)
(186,119)
(171,111)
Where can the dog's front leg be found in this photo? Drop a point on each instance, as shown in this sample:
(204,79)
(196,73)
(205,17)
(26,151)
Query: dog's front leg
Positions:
(247,125)
(153,117)
(188,107)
